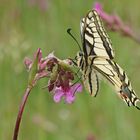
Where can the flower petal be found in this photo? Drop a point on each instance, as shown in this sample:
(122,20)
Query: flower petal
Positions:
(39,54)
(50,55)
(76,88)
(98,7)
(28,63)
(106,17)
(58,93)
(69,98)
(42,65)
(70,95)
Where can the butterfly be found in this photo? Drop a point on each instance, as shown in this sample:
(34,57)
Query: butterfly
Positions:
(97,58)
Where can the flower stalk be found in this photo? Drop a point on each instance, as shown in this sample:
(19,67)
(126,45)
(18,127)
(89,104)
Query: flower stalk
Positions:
(20,112)
(60,81)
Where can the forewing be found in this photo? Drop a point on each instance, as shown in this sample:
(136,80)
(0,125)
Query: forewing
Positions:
(94,37)
(118,78)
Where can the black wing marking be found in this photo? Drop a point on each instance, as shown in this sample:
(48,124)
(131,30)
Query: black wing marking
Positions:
(94,37)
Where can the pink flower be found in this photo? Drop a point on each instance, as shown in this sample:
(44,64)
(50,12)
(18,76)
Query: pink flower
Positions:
(59,72)
(68,94)
(60,82)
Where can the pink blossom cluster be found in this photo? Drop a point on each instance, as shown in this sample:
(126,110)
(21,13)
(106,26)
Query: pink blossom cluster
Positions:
(57,71)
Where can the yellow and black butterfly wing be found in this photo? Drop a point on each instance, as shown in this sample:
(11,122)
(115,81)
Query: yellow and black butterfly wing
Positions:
(111,71)
(95,40)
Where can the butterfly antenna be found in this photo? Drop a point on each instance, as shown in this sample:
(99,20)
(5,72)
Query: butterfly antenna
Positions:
(69,32)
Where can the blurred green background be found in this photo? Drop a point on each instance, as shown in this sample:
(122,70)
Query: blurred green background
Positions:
(26,25)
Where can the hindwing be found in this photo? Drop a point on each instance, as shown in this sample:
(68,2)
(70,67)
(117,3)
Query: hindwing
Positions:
(90,80)
(89,75)
(111,71)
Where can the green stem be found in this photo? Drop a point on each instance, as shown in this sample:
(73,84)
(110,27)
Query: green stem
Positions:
(20,112)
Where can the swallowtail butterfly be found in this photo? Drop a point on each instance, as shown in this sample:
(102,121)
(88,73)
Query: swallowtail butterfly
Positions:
(97,57)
